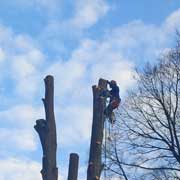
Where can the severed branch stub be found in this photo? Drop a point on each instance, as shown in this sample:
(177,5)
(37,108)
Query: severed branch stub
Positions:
(95,155)
(73,166)
(46,128)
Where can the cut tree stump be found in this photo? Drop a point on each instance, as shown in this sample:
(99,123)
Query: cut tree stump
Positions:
(46,128)
(95,159)
(73,166)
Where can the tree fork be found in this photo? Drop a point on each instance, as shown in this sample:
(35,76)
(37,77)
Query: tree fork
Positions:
(46,128)
(95,155)
(73,166)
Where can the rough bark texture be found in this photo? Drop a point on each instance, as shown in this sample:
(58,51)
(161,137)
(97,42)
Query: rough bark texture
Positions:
(95,161)
(47,133)
(73,166)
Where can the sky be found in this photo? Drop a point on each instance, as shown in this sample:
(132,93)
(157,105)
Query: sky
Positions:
(77,42)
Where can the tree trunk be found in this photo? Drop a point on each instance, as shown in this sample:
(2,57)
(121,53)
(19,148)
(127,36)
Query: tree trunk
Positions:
(73,166)
(95,160)
(47,133)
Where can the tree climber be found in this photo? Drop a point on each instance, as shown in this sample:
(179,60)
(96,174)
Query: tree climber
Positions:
(114,101)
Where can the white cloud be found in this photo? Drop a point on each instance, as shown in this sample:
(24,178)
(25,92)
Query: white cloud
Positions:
(18,140)
(172,22)
(66,75)
(21,115)
(100,60)
(89,12)
(2,55)
(76,125)
(20,61)
(59,34)
(137,39)
(15,169)
(5,35)
(22,68)
(26,74)
(18,122)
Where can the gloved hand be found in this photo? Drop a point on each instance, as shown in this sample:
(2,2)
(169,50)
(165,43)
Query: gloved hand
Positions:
(108,82)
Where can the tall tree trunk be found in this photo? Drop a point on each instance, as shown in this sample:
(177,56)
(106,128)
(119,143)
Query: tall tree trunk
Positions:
(73,166)
(47,133)
(95,160)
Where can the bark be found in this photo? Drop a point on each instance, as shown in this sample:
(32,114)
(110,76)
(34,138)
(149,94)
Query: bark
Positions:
(73,166)
(47,133)
(95,160)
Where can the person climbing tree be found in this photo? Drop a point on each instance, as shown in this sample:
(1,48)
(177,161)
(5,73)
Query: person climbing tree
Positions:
(114,101)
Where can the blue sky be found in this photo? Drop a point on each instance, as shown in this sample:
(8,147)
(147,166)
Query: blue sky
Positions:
(78,42)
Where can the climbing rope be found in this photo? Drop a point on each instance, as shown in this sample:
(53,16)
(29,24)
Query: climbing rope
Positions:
(105,147)
(108,127)
(109,135)
(107,139)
